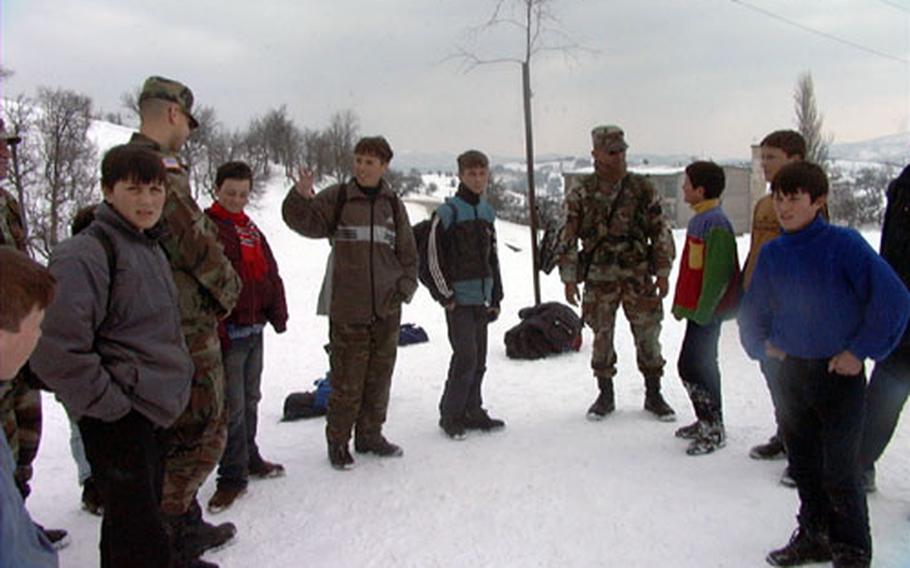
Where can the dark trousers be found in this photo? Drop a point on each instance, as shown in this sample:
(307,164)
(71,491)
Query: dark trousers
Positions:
(362,360)
(127,459)
(821,418)
(242,376)
(467,327)
(699,371)
(886,394)
(770,369)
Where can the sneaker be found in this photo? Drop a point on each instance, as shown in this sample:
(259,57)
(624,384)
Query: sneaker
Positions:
(805,547)
(91,499)
(604,405)
(480,420)
(224,497)
(340,457)
(266,469)
(773,449)
(379,446)
(711,438)
(867,480)
(58,538)
(689,432)
(656,405)
(786,479)
(453,428)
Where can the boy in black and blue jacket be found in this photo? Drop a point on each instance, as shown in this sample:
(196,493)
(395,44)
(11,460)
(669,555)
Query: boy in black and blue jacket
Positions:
(465,279)
(821,302)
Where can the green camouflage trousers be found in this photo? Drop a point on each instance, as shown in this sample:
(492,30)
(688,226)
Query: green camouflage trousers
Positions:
(20,414)
(644,310)
(362,358)
(199,435)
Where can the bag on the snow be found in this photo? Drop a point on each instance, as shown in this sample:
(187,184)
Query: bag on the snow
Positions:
(309,404)
(544,330)
(410,333)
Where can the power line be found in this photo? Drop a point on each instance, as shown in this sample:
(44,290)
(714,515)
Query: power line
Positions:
(821,33)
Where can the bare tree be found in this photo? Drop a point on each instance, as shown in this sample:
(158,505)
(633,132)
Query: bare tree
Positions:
(130,100)
(67,175)
(341,136)
(541,32)
(857,199)
(809,121)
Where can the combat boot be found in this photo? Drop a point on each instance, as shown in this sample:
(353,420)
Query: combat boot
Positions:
(379,446)
(481,420)
(200,536)
(655,403)
(845,556)
(605,403)
(340,457)
(807,545)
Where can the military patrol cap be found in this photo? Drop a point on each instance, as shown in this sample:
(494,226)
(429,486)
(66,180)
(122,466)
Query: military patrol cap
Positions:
(156,87)
(10,138)
(610,137)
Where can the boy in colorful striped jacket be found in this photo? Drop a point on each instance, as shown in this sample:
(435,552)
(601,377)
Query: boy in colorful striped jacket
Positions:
(707,292)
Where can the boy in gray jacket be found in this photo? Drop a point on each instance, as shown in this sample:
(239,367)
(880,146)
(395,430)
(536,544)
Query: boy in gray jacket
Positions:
(113,352)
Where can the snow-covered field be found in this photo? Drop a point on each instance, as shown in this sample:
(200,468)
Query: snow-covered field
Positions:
(552,489)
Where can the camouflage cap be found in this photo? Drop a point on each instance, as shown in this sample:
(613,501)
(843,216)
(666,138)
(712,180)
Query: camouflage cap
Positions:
(156,87)
(609,137)
(10,138)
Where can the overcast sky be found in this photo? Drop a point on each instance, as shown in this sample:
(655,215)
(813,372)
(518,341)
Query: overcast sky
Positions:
(699,77)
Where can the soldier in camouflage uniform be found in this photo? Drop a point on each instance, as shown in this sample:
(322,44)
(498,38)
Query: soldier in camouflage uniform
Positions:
(20,406)
(208,288)
(625,244)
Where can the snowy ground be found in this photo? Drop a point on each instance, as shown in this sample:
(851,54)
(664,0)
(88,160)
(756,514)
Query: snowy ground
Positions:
(553,489)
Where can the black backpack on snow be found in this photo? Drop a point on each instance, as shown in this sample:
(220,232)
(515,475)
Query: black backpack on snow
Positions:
(544,330)
(422,238)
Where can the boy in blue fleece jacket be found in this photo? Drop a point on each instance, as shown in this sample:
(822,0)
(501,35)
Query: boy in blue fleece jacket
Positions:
(706,294)
(821,302)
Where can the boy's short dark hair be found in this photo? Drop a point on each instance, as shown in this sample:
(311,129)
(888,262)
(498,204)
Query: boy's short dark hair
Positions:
(131,163)
(708,175)
(804,177)
(24,286)
(376,146)
(233,170)
(472,159)
(790,141)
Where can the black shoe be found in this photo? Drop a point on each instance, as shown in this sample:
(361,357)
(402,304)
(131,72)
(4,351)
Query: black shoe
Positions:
(340,456)
(58,538)
(204,536)
(453,428)
(379,446)
(91,499)
(480,420)
(200,563)
(805,546)
(786,479)
(656,405)
(263,469)
(689,432)
(772,450)
(845,556)
(602,406)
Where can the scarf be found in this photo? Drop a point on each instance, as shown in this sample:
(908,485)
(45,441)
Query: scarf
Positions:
(254,265)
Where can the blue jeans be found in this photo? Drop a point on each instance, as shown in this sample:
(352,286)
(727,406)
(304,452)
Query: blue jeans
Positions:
(886,394)
(697,367)
(821,418)
(242,377)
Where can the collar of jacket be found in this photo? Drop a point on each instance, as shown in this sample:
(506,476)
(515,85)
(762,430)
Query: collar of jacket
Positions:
(808,232)
(142,139)
(467,195)
(107,215)
(705,205)
(355,191)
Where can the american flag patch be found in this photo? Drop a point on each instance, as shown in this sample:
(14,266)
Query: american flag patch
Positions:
(170,163)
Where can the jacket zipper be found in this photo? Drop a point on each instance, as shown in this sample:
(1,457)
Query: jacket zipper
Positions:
(372,278)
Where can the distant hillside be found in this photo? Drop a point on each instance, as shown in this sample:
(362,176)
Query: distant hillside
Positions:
(893,149)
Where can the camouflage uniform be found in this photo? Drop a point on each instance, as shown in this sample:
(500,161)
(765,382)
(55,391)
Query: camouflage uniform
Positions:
(20,404)
(208,288)
(635,245)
